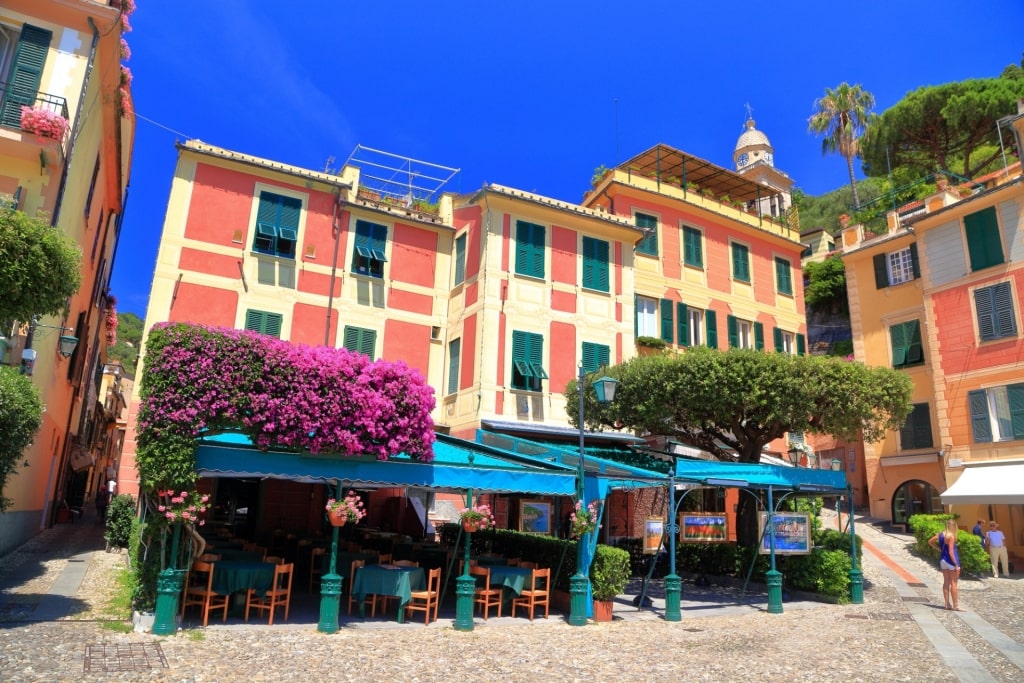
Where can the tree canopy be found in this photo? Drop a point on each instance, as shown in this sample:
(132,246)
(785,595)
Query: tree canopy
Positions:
(950,127)
(39,267)
(826,286)
(841,116)
(21,414)
(129,338)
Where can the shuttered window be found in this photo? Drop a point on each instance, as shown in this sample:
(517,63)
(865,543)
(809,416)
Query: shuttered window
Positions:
(360,340)
(595,356)
(460,258)
(667,331)
(917,431)
(649,244)
(711,323)
(530,239)
(907,349)
(527,360)
(994,308)
(264,322)
(783,276)
(454,356)
(740,262)
(25,74)
(277,225)
(368,249)
(997,414)
(983,243)
(595,264)
(693,250)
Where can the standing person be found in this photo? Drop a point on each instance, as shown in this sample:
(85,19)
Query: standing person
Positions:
(979,531)
(949,561)
(102,501)
(997,549)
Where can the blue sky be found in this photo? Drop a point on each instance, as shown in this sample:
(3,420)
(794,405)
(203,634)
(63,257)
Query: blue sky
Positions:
(531,94)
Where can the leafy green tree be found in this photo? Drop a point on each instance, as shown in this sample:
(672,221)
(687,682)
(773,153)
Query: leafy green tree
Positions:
(21,414)
(841,117)
(39,267)
(826,285)
(129,338)
(951,127)
(732,403)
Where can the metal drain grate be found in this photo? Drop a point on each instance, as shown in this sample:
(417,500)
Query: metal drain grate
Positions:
(124,657)
(916,585)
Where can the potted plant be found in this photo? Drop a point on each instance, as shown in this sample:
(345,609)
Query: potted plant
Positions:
(348,509)
(477,518)
(43,122)
(584,521)
(609,574)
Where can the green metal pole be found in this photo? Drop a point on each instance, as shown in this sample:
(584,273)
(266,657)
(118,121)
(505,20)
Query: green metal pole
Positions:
(579,583)
(856,576)
(168,588)
(673,583)
(465,584)
(773,577)
(330,585)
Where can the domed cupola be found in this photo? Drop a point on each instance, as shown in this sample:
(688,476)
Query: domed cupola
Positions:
(752,147)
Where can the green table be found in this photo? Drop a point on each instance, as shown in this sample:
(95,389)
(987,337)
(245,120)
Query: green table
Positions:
(511,580)
(344,564)
(382,579)
(236,576)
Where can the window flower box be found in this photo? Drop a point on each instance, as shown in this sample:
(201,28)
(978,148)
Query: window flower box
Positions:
(44,123)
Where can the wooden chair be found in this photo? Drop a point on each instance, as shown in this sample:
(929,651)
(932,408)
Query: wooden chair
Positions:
(384,558)
(485,596)
(462,566)
(513,562)
(424,601)
(369,599)
(254,548)
(273,559)
(406,563)
(209,557)
(316,566)
(278,595)
(537,594)
(525,564)
(202,595)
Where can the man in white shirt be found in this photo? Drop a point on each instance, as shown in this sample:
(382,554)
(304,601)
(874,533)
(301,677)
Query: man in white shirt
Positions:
(996,542)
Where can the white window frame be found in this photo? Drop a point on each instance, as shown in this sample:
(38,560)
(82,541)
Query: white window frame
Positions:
(648,322)
(788,342)
(695,319)
(744,333)
(900,266)
(999,413)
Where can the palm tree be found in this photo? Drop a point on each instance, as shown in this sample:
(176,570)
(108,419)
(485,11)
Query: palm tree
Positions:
(841,117)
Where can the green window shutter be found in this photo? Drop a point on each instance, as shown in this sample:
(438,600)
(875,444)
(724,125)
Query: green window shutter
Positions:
(693,252)
(683,324)
(711,323)
(264,322)
(595,356)
(595,264)
(994,308)
(666,320)
(915,349)
(917,430)
(777,339)
(454,356)
(460,258)
(898,337)
(277,225)
(759,336)
(1015,396)
(733,331)
(649,244)
(983,243)
(25,74)
(783,276)
(360,340)
(915,263)
(801,344)
(368,249)
(636,318)
(978,402)
(740,262)
(530,249)
(881,271)
(527,357)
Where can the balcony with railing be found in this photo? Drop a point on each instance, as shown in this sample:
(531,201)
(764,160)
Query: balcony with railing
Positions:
(36,118)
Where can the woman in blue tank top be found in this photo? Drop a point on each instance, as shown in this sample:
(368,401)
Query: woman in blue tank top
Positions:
(949,561)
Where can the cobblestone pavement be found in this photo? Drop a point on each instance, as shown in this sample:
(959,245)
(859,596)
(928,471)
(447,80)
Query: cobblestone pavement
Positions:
(52,631)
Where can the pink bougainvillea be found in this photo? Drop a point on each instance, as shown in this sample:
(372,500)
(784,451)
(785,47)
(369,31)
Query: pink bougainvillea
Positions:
(205,379)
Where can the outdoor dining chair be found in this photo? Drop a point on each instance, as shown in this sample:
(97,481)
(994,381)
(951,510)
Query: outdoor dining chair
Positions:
(369,598)
(278,595)
(202,595)
(425,600)
(485,596)
(537,594)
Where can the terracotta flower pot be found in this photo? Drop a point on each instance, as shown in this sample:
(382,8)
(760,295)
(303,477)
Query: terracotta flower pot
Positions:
(470,527)
(337,518)
(603,610)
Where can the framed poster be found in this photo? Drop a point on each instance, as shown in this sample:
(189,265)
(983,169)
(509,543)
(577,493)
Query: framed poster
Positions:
(704,529)
(535,517)
(654,529)
(791,532)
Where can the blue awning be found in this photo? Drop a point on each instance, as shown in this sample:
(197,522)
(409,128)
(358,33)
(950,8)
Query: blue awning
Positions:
(755,476)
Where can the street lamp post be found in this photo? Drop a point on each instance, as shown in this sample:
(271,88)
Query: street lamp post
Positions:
(579,583)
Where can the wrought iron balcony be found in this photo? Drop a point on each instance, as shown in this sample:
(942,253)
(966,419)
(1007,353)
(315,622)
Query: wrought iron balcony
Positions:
(13,98)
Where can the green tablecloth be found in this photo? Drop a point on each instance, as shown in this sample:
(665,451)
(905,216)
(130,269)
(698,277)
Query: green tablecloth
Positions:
(491,561)
(344,564)
(400,582)
(232,555)
(511,580)
(230,576)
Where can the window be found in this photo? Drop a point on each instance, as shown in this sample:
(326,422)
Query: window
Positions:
(896,267)
(368,250)
(527,359)
(997,414)
(264,323)
(983,244)
(994,307)
(649,224)
(595,264)
(25,75)
(454,354)
(744,334)
(646,317)
(907,349)
(530,249)
(460,258)
(693,249)
(595,356)
(275,272)
(917,431)
(691,324)
(277,225)
(785,342)
(360,340)
(783,276)
(740,262)
(667,331)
